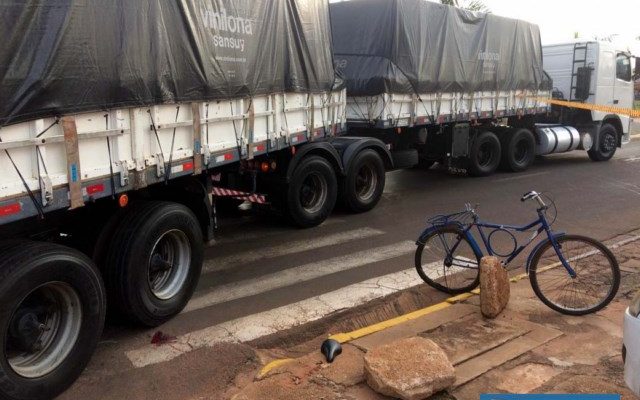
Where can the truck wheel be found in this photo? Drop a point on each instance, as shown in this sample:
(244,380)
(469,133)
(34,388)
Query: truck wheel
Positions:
(485,154)
(364,183)
(312,192)
(154,262)
(51,318)
(518,150)
(607,144)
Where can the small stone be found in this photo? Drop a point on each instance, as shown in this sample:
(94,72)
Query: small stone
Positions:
(411,369)
(494,287)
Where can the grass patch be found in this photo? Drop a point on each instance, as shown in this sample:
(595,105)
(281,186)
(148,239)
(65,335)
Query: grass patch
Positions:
(636,105)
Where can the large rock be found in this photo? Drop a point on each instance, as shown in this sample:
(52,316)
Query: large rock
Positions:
(494,287)
(411,369)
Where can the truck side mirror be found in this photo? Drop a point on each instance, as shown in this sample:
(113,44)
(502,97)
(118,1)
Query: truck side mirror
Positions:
(636,70)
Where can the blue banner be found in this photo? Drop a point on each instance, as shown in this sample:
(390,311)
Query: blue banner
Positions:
(551,396)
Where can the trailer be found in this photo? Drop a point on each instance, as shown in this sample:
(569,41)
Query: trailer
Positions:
(121,125)
(469,90)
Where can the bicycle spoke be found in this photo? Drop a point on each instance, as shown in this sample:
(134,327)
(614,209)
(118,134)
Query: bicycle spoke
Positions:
(594,281)
(448,261)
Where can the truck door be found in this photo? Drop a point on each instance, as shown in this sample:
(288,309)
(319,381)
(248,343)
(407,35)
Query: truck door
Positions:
(623,87)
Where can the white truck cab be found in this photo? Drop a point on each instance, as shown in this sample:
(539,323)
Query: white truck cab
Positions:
(593,72)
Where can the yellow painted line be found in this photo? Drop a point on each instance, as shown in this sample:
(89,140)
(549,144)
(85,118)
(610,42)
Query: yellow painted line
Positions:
(273,364)
(459,298)
(587,106)
(368,330)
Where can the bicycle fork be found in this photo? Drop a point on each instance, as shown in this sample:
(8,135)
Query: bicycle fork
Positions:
(563,260)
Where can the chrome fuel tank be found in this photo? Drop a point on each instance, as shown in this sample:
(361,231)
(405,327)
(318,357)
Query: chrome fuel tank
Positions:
(556,138)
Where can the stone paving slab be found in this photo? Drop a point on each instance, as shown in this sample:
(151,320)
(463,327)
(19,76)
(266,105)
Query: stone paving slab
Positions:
(416,326)
(477,366)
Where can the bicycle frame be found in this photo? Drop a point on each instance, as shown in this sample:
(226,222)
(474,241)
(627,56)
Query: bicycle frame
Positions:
(542,225)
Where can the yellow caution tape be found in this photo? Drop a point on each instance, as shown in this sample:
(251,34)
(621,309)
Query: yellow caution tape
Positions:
(592,107)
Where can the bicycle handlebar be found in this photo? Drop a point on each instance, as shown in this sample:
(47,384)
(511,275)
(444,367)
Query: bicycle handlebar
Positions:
(533,195)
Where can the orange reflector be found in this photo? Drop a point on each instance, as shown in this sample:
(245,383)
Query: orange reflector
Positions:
(123,200)
(293,150)
(399,130)
(264,167)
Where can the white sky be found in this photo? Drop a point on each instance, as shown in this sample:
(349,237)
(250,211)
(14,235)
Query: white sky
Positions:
(559,19)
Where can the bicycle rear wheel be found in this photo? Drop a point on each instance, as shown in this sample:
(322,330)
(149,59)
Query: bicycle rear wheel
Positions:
(597,275)
(447,261)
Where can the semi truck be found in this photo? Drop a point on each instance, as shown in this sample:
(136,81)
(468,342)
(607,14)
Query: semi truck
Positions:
(121,124)
(473,91)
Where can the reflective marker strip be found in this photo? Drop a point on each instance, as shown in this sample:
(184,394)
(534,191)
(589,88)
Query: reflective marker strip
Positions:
(224,157)
(93,189)
(10,209)
(298,138)
(591,107)
(260,147)
(188,166)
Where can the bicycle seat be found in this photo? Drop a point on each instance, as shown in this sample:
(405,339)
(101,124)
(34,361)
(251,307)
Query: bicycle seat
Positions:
(331,349)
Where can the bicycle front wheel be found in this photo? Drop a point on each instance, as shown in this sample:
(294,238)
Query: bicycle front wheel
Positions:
(447,261)
(597,275)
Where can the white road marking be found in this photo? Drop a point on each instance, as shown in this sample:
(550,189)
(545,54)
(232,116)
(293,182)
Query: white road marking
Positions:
(303,273)
(268,322)
(286,248)
(524,176)
(262,232)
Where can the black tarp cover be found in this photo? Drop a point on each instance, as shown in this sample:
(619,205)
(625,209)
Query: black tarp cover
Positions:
(418,46)
(65,56)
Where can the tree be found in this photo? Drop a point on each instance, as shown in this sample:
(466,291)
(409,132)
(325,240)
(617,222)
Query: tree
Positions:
(469,5)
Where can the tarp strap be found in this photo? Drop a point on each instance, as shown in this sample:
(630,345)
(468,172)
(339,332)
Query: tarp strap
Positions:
(167,169)
(26,186)
(111,180)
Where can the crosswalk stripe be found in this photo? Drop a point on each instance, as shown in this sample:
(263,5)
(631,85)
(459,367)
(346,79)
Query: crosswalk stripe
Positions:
(240,258)
(303,273)
(268,322)
(262,232)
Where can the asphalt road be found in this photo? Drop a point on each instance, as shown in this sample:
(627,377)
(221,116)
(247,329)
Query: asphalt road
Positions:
(263,275)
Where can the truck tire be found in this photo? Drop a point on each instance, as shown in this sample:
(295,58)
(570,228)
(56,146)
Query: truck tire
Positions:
(485,154)
(154,262)
(404,158)
(311,193)
(51,318)
(518,150)
(606,145)
(364,183)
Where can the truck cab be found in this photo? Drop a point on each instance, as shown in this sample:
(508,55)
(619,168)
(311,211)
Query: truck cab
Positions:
(592,72)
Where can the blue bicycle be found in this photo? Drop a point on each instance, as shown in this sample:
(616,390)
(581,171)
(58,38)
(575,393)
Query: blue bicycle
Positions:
(571,274)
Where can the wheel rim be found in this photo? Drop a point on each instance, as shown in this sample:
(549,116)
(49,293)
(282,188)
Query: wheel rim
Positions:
(366,182)
(313,193)
(169,264)
(608,142)
(594,279)
(44,329)
(521,153)
(453,271)
(485,154)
